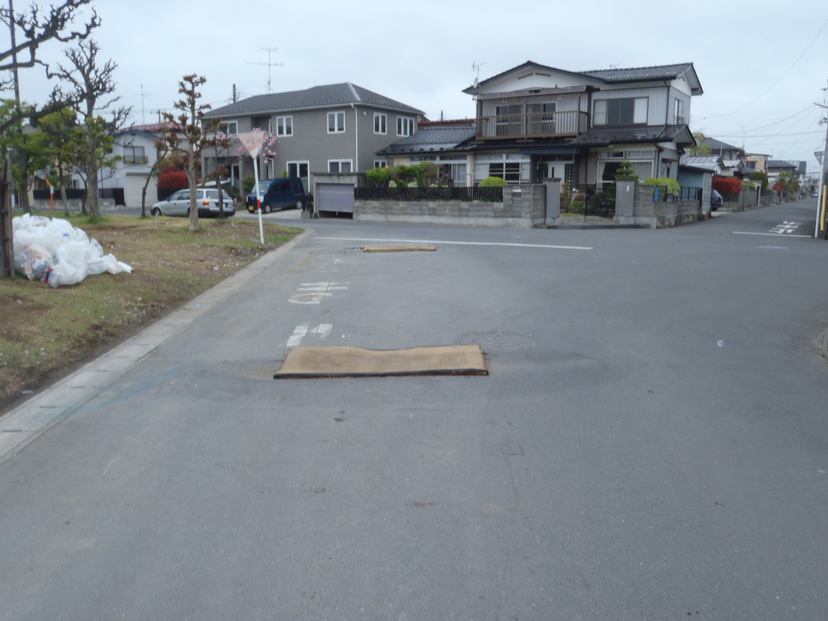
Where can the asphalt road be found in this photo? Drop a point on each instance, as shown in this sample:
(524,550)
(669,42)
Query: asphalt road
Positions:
(651,442)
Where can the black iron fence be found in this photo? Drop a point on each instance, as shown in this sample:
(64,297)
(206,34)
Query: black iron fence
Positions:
(434,193)
(589,200)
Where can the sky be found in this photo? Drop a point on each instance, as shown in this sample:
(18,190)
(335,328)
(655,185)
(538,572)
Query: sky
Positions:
(763,65)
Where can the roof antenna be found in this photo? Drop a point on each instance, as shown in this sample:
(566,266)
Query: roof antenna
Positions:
(269,64)
(476,67)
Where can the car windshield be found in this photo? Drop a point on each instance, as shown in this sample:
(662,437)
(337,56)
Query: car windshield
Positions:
(263,186)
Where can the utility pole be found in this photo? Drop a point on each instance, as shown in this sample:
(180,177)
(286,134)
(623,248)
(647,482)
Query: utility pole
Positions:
(821,226)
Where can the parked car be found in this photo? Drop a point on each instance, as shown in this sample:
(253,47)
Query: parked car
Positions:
(284,193)
(716,200)
(178,204)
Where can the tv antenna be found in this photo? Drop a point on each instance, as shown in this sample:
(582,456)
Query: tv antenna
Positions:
(269,64)
(476,68)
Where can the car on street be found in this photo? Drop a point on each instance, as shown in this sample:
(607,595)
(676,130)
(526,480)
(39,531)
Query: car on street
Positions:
(207,199)
(716,200)
(285,193)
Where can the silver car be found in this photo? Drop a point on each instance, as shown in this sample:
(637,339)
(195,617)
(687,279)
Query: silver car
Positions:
(178,204)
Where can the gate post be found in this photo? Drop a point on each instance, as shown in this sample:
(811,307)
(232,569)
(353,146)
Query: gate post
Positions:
(553,201)
(624,202)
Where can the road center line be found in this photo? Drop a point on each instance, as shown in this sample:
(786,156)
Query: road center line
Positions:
(455,243)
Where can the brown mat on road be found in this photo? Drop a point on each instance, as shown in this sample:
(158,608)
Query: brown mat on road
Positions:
(400,249)
(313,362)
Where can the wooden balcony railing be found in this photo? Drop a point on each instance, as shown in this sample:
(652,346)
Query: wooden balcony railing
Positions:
(534,125)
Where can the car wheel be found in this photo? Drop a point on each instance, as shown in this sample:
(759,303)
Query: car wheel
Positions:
(299,205)
(266,208)
(156,211)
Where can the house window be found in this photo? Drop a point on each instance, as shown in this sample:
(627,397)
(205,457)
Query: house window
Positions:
(508,171)
(230,128)
(380,164)
(405,126)
(541,118)
(340,166)
(508,120)
(380,123)
(629,111)
(678,113)
(284,126)
(336,122)
(134,155)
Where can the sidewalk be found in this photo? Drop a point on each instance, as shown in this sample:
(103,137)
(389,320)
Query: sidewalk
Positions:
(33,418)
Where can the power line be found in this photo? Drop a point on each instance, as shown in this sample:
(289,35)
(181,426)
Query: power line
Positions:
(767,90)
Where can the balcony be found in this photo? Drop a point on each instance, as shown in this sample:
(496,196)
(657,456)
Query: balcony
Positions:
(564,124)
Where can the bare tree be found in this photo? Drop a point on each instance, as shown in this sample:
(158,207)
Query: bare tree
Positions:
(37,27)
(193,135)
(91,86)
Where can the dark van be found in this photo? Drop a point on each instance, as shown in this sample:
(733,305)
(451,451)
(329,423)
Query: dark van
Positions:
(284,193)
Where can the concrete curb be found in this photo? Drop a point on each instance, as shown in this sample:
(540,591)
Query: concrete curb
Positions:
(37,415)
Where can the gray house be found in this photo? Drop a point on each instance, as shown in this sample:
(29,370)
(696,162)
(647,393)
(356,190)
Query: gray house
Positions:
(337,128)
(535,122)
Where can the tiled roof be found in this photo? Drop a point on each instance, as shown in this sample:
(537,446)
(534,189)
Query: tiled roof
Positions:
(430,140)
(637,74)
(331,95)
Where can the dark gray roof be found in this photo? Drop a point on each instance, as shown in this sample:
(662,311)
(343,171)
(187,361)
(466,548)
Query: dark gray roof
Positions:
(329,96)
(605,136)
(717,145)
(617,76)
(430,140)
(781,164)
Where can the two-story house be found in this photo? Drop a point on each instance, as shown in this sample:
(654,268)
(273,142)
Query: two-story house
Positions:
(337,128)
(534,122)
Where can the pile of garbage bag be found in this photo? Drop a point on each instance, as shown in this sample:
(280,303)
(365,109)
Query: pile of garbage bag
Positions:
(54,251)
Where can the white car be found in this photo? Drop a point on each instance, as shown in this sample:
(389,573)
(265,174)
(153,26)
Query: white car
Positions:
(178,204)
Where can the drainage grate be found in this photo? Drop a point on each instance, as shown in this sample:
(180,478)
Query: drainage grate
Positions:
(489,341)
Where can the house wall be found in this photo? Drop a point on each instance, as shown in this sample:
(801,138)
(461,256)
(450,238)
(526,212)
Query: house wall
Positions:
(657,101)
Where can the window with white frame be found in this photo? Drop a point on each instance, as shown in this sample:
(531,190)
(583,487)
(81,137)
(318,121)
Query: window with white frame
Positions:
(380,164)
(340,166)
(230,128)
(336,122)
(642,160)
(380,123)
(678,112)
(405,126)
(627,111)
(134,155)
(284,126)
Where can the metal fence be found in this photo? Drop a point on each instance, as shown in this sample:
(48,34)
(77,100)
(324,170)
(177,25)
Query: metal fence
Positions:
(685,194)
(589,200)
(434,193)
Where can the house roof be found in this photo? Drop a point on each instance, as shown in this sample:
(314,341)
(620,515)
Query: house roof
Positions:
(605,136)
(719,146)
(328,96)
(612,76)
(781,164)
(430,140)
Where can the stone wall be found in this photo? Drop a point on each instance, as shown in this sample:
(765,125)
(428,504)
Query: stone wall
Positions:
(523,206)
(664,214)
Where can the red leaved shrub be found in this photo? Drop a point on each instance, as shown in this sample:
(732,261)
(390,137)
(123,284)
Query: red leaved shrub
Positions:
(727,185)
(172,178)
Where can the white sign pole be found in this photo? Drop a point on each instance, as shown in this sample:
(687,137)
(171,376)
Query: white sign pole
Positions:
(258,196)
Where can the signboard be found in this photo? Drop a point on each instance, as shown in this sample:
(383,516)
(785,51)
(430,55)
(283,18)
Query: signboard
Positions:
(252,141)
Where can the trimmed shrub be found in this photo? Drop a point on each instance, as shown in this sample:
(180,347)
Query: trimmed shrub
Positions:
(493,182)
(761,177)
(626,172)
(172,178)
(670,187)
(727,185)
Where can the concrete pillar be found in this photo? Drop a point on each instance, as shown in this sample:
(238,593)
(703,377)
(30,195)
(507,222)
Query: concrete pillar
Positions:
(624,202)
(553,201)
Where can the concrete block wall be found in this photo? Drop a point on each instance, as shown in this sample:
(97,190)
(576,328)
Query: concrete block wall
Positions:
(523,207)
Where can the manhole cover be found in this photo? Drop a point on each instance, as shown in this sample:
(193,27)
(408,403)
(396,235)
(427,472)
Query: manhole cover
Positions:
(495,340)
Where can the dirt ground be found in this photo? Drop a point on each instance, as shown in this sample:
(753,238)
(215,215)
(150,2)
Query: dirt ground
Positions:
(47,333)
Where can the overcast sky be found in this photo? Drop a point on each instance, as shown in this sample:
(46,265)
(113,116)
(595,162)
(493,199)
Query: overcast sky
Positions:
(763,64)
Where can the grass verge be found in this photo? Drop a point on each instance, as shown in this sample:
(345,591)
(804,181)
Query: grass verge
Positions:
(46,333)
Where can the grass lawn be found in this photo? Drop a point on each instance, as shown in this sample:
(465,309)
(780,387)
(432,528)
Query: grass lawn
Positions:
(46,332)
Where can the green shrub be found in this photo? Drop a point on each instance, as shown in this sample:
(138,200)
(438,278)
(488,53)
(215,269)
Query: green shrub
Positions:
(761,177)
(626,172)
(247,184)
(493,182)
(378,177)
(670,187)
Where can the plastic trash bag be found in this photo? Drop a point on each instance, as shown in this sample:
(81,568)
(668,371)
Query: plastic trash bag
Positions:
(54,251)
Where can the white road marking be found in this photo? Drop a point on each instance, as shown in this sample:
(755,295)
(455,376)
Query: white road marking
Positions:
(785,227)
(303,330)
(313,292)
(456,243)
(767,234)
